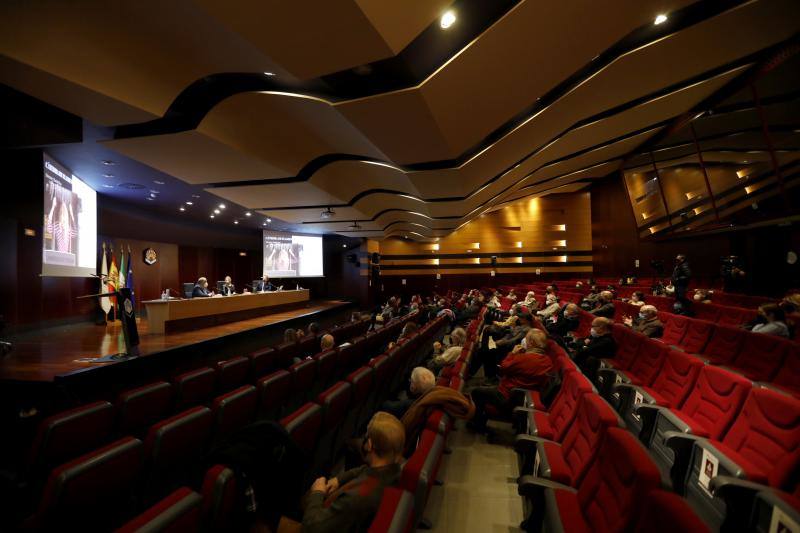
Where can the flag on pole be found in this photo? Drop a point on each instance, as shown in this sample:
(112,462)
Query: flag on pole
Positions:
(129,277)
(113,279)
(123,271)
(105,303)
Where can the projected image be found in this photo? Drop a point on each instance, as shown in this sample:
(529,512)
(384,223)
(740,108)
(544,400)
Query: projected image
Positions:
(70,223)
(291,256)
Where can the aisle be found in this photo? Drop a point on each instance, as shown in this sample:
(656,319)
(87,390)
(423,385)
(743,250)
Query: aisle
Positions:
(480,490)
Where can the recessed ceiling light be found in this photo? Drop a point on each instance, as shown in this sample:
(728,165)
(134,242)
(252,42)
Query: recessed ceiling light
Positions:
(222,206)
(235,221)
(660,18)
(158,182)
(107,175)
(447,19)
(181,208)
(212,216)
(216,211)
(108,186)
(154,191)
(108,162)
(149,198)
(189,203)
(344,246)
(269,74)
(248,214)
(195,196)
(269,220)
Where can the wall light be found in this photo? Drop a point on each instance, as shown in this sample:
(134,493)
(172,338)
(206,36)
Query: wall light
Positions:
(661,18)
(447,19)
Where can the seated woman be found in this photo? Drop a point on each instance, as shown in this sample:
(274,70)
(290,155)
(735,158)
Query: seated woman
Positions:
(227,287)
(457,339)
(775,321)
(702,296)
(526,367)
(637,298)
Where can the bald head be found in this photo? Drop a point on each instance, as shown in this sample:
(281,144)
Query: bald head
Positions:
(602,325)
(326,342)
(386,437)
(648,311)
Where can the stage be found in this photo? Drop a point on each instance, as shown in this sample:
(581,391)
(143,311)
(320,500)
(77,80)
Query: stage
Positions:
(55,355)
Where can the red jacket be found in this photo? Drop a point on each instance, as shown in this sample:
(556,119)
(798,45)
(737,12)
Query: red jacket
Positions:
(525,371)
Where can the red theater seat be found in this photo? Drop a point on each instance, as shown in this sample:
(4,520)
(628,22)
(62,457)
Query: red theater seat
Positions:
(665,512)
(335,403)
(219,499)
(179,512)
(788,375)
(285,353)
(261,362)
(194,388)
(395,514)
(304,426)
(234,410)
(724,344)
(566,462)
(382,367)
(761,356)
(643,370)
(92,492)
(68,434)
(362,381)
(609,498)
(327,373)
(273,394)
(420,471)
(232,373)
(308,346)
(674,329)
(303,372)
(697,334)
(552,424)
(141,407)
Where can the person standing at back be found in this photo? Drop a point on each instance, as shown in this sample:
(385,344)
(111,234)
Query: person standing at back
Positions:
(681,275)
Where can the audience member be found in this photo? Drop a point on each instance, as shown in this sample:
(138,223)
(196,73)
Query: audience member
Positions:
(568,321)
(588,302)
(681,275)
(452,402)
(290,335)
(598,345)
(702,296)
(525,367)
(313,330)
(327,342)
(551,306)
(530,301)
(421,381)
(512,295)
(647,323)
(457,339)
(489,357)
(605,305)
(637,298)
(775,321)
(349,501)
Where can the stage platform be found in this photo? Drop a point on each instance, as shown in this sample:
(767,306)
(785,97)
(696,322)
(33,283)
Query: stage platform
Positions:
(55,355)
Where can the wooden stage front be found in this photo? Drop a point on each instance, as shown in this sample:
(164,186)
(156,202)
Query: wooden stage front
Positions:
(54,354)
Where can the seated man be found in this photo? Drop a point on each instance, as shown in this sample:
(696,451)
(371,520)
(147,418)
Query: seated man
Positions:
(568,320)
(551,307)
(590,300)
(647,323)
(313,329)
(526,367)
(457,339)
(421,382)
(349,501)
(326,342)
(598,345)
(605,305)
(201,289)
(490,357)
(775,321)
(264,285)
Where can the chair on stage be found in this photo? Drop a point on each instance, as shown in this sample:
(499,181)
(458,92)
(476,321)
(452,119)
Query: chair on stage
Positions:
(188,288)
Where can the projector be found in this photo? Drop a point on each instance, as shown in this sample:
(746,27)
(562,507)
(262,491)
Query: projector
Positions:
(328,213)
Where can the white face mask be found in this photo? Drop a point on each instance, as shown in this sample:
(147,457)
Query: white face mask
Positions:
(643,316)
(525,343)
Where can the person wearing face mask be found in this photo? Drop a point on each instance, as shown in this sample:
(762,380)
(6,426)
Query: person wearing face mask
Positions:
(598,345)
(551,307)
(647,323)
(530,301)
(568,320)
(605,305)
(590,300)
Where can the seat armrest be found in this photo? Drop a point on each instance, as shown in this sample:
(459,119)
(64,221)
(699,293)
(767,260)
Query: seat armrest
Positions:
(739,496)
(519,418)
(527,443)
(530,485)
(673,419)
(518,396)
(679,441)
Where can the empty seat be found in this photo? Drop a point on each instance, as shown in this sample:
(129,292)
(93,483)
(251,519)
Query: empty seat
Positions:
(761,356)
(66,435)
(179,512)
(609,498)
(628,343)
(194,388)
(273,394)
(762,445)
(219,499)
(285,353)
(735,316)
(349,357)
(307,346)
(724,344)
(665,512)
(552,424)
(775,507)
(643,370)
(395,513)
(304,426)
(382,367)
(696,337)
(674,329)
(788,375)
(234,410)
(303,375)
(566,461)
(671,387)
(335,402)
(709,312)
(420,471)
(232,373)
(173,447)
(141,407)
(709,411)
(92,492)
(261,362)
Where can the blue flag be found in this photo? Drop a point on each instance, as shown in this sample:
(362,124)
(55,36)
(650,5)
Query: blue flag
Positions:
(129,276)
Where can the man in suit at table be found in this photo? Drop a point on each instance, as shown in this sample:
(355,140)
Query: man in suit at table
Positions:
(201,289)
(264,285)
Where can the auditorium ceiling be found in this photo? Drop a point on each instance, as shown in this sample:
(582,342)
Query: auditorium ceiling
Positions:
(371,110)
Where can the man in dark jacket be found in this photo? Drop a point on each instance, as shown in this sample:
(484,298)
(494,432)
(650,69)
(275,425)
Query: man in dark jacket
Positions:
(647,323)
(349,502)
(598,345)
(605,305)
(681,275)
(494,350)
(568,320)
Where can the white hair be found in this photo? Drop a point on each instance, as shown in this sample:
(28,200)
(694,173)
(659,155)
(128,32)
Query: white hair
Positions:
(422,379)
(458,337)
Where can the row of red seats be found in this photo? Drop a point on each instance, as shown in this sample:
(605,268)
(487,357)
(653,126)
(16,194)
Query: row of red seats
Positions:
(66,435)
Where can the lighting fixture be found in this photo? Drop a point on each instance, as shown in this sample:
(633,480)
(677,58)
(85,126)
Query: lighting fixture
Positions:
(344,246)
(328,213)
(660,19)
(216,211)
(212,216)
(248,214)
(269,74)
(108,186)
(107,175)
(189,203)
(158,182)
(447,19)
(153,191)
(222,206)
(235,221)
(354,225)
(149,198)
(195,196)
(181,208)
(269,220)
(108,162)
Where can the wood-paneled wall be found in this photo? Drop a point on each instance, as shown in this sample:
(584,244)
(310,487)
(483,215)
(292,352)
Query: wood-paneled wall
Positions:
(550,234)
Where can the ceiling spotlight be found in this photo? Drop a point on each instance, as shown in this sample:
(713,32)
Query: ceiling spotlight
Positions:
(153,195)
(181,208)
(153,191)
(108,162)
(235,221)
(158,182)
(107,175)
(269,220)
(151,199)
(216,211)
(248,214)
(108,186)
(328,213)
(344,246)
(195,196)
(269,74)
(660,18)
(447,19)
(212,216)
(189,203)
(222,206)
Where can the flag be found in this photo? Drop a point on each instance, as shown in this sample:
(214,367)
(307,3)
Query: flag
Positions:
(122,270)
(113,279)
(105,303)
(129,277)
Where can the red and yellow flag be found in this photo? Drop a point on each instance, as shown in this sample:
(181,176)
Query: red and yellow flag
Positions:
(113,280)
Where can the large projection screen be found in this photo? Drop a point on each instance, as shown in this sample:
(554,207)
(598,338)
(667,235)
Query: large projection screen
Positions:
(69,235)
(289,255)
